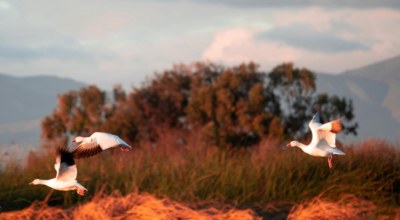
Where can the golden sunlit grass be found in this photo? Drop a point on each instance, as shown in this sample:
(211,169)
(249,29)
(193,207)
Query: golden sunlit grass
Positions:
(131,206)
(188,171)
(348,207)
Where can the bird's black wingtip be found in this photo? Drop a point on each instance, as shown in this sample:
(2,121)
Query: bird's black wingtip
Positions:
(66,155)
(63,150)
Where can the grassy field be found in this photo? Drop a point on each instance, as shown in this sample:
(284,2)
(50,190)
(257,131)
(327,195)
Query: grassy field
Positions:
(185,170)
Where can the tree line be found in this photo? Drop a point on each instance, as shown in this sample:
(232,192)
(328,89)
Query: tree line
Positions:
(234,106)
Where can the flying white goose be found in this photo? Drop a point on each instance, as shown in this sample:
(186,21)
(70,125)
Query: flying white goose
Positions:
(66,174)
(323,143)
(96,143)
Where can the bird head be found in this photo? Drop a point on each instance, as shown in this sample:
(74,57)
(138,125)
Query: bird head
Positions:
(35,182)
(77,139)
(292,144)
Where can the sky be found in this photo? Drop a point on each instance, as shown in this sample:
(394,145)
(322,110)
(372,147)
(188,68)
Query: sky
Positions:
(106,42)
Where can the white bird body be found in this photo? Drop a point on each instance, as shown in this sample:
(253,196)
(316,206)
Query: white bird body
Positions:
(61,185)
(319,150)
(65,179)
(323,142)
(98,142)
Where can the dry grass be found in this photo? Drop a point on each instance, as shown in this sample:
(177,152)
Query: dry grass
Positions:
(348,207)
(188,171)
(148,207)
(132,206)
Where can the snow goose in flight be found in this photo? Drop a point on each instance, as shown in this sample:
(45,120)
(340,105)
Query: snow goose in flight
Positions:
(96,143)
(65,179)
(323,143)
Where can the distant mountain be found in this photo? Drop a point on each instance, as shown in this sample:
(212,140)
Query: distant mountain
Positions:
(24,101)
(384,71)
(388,72)
(375,91)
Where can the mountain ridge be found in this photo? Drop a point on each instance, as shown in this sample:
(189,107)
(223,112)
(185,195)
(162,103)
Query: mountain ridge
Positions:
(390,67)
(26,100)
(375,91)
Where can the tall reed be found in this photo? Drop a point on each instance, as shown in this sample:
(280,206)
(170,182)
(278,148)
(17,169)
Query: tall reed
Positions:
(185,169)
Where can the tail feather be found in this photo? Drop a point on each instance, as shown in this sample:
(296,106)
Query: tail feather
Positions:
(338,152)
(78,185)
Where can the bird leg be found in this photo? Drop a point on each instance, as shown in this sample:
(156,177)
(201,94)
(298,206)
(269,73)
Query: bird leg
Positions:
(80,191)
(330,161)
(48,196)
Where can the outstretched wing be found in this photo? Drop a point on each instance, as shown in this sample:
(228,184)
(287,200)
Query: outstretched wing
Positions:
(325,131)
(314,125)
(99,142)
(65,165)
(87,149)
(106,140)
(329,130)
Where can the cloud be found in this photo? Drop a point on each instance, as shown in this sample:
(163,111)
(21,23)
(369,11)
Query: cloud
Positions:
(24,43)
(233,46)
(308,3)
(23,52)
(271,53)
(4,5)
(305,37)
(317,38)
(105,42)
(376,29)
